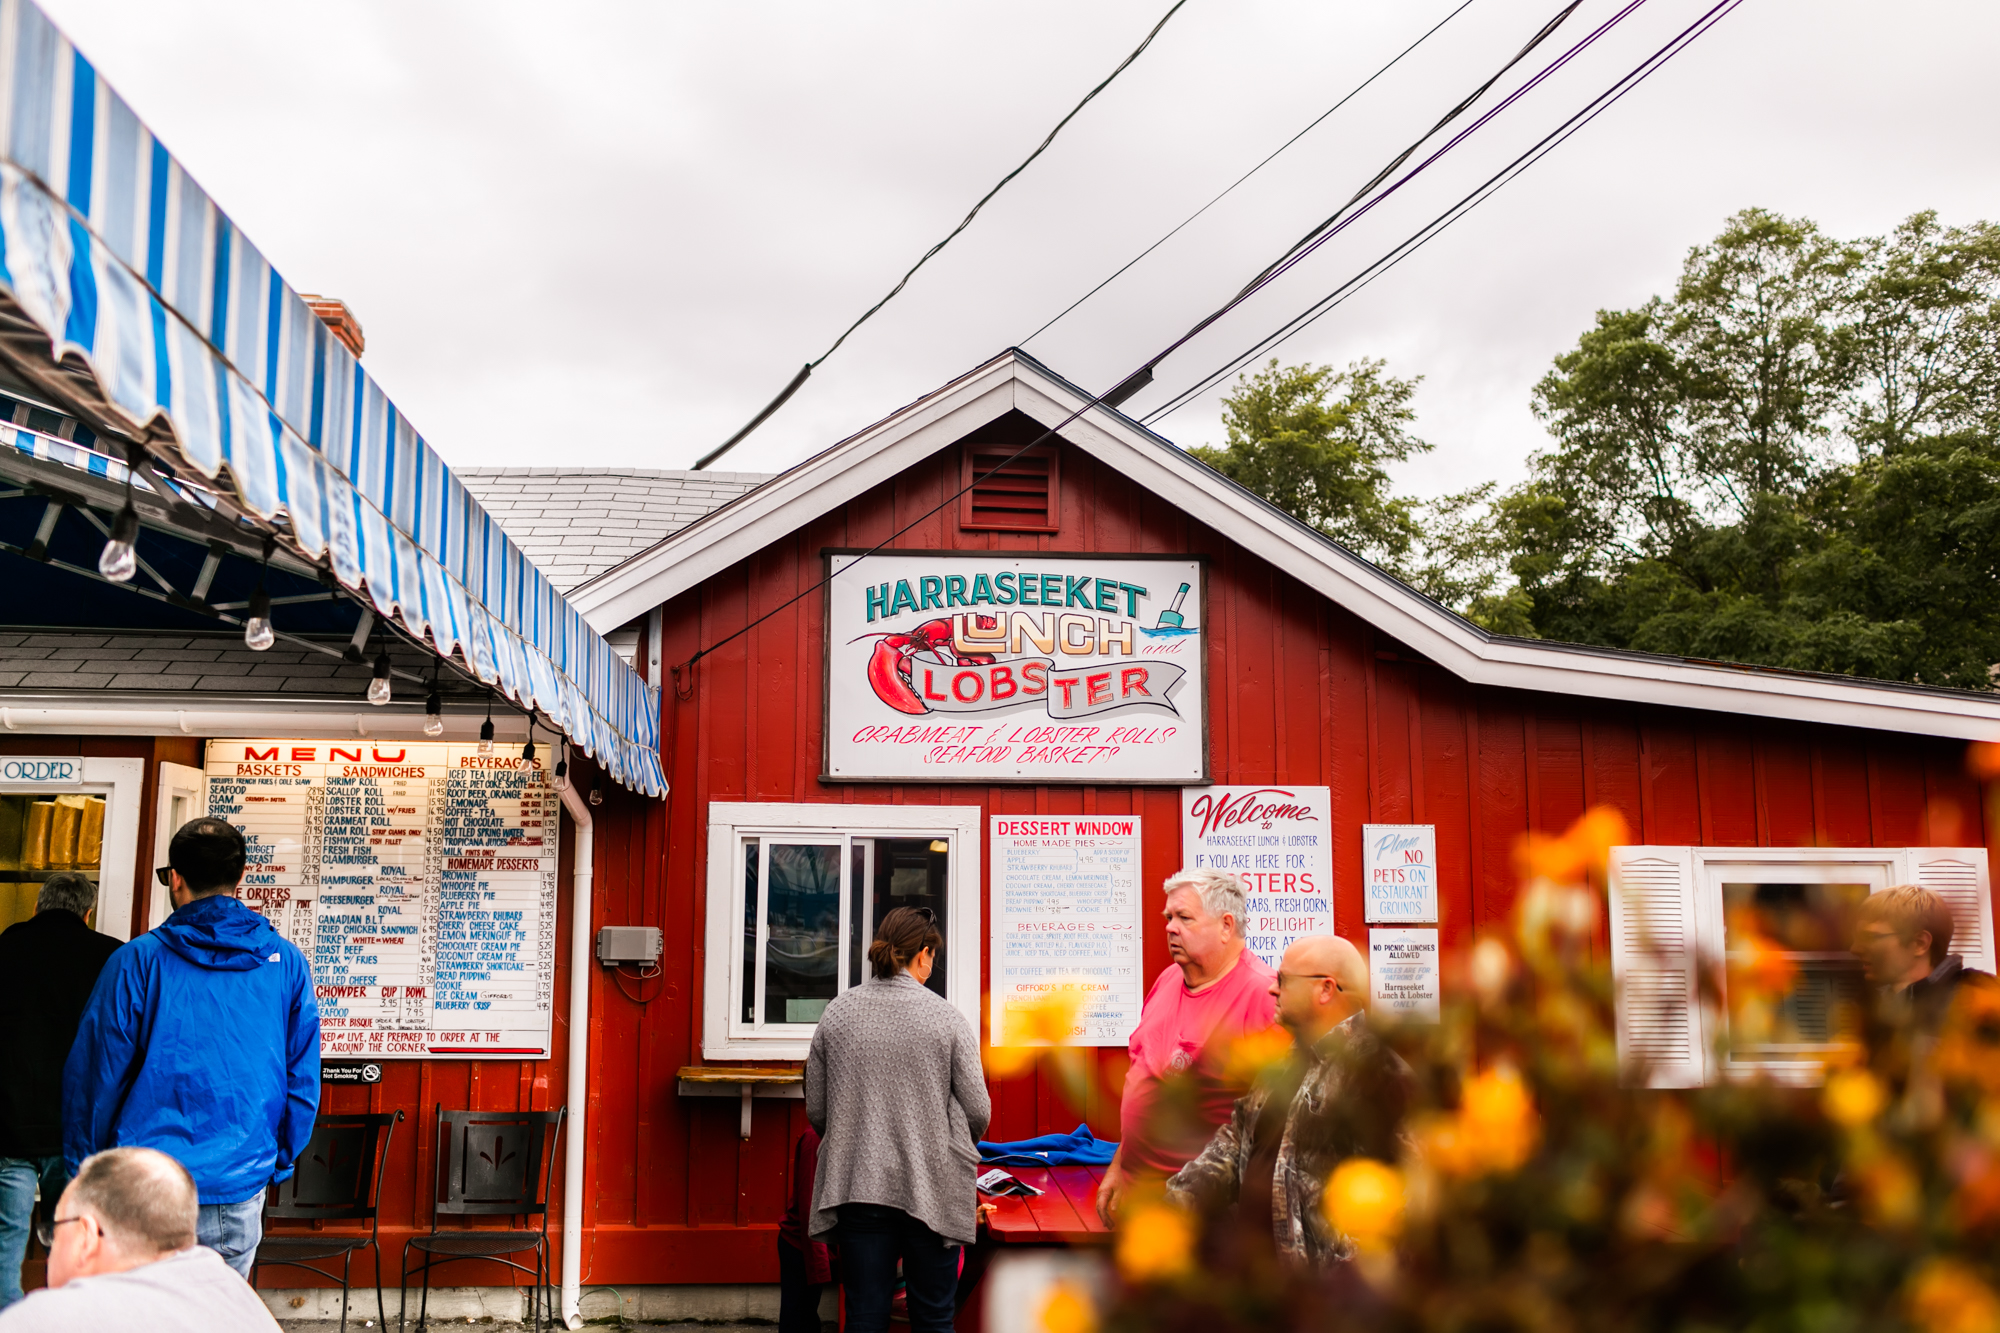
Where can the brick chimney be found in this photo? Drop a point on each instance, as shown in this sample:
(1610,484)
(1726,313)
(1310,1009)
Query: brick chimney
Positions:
(336,316)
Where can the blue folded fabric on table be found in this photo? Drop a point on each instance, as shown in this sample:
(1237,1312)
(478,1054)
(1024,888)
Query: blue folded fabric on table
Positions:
(1079,1147)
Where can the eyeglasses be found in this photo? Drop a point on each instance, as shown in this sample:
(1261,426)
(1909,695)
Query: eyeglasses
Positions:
(926,913)
(164,874)
(1283,977)
(65,1221)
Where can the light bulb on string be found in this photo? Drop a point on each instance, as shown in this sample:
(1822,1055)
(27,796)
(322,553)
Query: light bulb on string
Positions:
(597,790)
(257,631)
(486,727)
(120,560)
(378,687)
(434,712)
(562,769)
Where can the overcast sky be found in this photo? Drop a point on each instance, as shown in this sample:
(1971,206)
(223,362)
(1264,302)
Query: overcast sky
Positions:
(608,233)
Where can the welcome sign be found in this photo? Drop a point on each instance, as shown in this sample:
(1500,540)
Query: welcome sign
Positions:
(998,666)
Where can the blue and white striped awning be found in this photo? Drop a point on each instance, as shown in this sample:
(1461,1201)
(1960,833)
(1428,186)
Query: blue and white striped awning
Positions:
(210,357)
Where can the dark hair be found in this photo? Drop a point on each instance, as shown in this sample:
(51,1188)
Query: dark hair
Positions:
(143,1198)
(68,890)
(903,934)
(209,855)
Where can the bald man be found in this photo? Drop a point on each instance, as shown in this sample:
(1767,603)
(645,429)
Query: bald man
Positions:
(1342,1094)
(124,1257)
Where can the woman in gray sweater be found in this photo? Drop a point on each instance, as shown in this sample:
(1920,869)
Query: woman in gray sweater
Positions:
(894,1087)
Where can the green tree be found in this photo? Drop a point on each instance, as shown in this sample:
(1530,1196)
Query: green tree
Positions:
(1792,461)
(1316,442)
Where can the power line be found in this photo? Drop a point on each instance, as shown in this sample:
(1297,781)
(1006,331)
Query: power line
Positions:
(1430,230)
(1352,94)
(1125,387)
(805,371)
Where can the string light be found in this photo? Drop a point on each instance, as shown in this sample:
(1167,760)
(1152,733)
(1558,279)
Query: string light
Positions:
(486,727)
(378,688)
(257,632)
(597,790)
(434,709)
(120,560)
(562,768)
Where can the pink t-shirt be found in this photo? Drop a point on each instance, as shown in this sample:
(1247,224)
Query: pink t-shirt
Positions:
(1183,1033)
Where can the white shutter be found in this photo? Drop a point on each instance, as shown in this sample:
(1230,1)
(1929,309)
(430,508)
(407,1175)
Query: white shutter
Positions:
(1959,876)
(1655,959)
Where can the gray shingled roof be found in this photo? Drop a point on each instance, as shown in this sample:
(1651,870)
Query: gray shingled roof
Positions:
(576,522)
(171,662)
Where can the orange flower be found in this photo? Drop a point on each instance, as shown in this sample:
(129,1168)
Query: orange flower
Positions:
(1759,965)
(1029,1026)
(1068,1309)
(1891,1194)
(1252,1053)
(1155,1243)
(1495,1128)
(1365,1199)
(1968,1049)
(1582,848)
(1853,1097)
(1947,1296)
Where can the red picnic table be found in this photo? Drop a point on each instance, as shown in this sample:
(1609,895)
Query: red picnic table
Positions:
(1065,1213)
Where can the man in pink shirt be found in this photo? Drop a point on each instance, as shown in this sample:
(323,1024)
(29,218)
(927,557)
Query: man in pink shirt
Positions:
(1216,992)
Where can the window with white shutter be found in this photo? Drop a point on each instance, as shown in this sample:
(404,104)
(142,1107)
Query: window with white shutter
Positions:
(1676,910)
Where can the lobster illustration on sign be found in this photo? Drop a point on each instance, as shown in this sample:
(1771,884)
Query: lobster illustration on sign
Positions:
(889,672)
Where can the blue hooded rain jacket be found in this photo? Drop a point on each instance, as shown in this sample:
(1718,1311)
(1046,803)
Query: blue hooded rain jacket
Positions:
(202,1040)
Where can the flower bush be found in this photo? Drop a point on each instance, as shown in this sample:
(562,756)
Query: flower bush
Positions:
(1545,1190)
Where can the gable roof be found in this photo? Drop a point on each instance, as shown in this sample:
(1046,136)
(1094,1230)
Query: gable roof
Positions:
(577,523)
(1016,381)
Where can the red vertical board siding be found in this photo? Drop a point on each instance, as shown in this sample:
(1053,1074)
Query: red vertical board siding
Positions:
(1301,691)
(1785,787)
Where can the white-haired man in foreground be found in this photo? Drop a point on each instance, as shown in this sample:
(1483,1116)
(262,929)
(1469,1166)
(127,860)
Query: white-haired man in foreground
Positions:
(1217,992)
(124,1257)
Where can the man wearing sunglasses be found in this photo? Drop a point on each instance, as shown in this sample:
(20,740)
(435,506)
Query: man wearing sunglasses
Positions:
(202,1039)
(124,1256)
(1341,1094)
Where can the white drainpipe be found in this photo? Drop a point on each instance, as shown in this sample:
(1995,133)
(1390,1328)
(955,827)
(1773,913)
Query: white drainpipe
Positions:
(579,1061)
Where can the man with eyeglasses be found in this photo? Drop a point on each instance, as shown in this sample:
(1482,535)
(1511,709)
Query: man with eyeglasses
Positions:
(1341,1094)
(124,1256)
(202,1037)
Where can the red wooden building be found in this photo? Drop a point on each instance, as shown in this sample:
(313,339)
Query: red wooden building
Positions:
(1319,670)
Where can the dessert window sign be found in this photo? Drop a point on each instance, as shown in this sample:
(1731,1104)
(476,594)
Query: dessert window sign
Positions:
(1002,666)
(1399,872)
(418,879)
(1066,919)
(1279,841)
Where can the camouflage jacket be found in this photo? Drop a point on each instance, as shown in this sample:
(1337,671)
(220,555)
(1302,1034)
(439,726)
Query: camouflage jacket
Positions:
(1352,1095)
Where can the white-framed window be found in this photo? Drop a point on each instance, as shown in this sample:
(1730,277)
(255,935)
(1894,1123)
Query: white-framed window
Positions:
(1675,909)
(794,895)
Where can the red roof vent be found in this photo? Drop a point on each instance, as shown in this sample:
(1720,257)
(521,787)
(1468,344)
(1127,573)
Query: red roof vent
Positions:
(1006,492)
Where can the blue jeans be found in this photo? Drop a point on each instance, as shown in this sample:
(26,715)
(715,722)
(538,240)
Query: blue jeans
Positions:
(18,1178)
(872,1237)
(232,1230)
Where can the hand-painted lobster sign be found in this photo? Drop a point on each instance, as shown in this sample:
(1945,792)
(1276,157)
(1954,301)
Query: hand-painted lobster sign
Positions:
(995,667)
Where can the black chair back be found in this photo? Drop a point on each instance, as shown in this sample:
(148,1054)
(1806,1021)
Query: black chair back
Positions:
(339,1175)
(494,1160)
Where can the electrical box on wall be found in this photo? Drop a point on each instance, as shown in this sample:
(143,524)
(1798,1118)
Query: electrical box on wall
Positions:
(617,945)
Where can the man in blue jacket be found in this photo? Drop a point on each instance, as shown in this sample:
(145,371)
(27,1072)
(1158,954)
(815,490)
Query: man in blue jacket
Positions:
(201,1039)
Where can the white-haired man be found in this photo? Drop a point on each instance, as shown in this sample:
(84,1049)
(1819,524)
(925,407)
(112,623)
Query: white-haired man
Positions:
(124,1257)
(1216,992)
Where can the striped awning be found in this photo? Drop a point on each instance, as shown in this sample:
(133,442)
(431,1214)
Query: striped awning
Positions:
(187,342)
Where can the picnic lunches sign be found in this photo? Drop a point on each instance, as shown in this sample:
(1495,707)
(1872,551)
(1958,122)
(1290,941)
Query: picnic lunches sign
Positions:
(1014,666)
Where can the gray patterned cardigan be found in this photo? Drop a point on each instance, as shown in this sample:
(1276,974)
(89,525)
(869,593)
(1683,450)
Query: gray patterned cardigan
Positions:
(894,1086)
(1350,1103)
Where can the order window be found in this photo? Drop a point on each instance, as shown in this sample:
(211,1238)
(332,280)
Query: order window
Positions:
(1780,920)
(800,900)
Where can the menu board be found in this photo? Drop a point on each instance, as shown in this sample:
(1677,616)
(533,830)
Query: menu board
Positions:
(418,879)
(1066,919)
(1279,842)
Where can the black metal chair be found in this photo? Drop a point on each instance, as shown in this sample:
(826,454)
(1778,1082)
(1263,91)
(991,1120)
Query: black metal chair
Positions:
(338,1178)
(492,1163)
